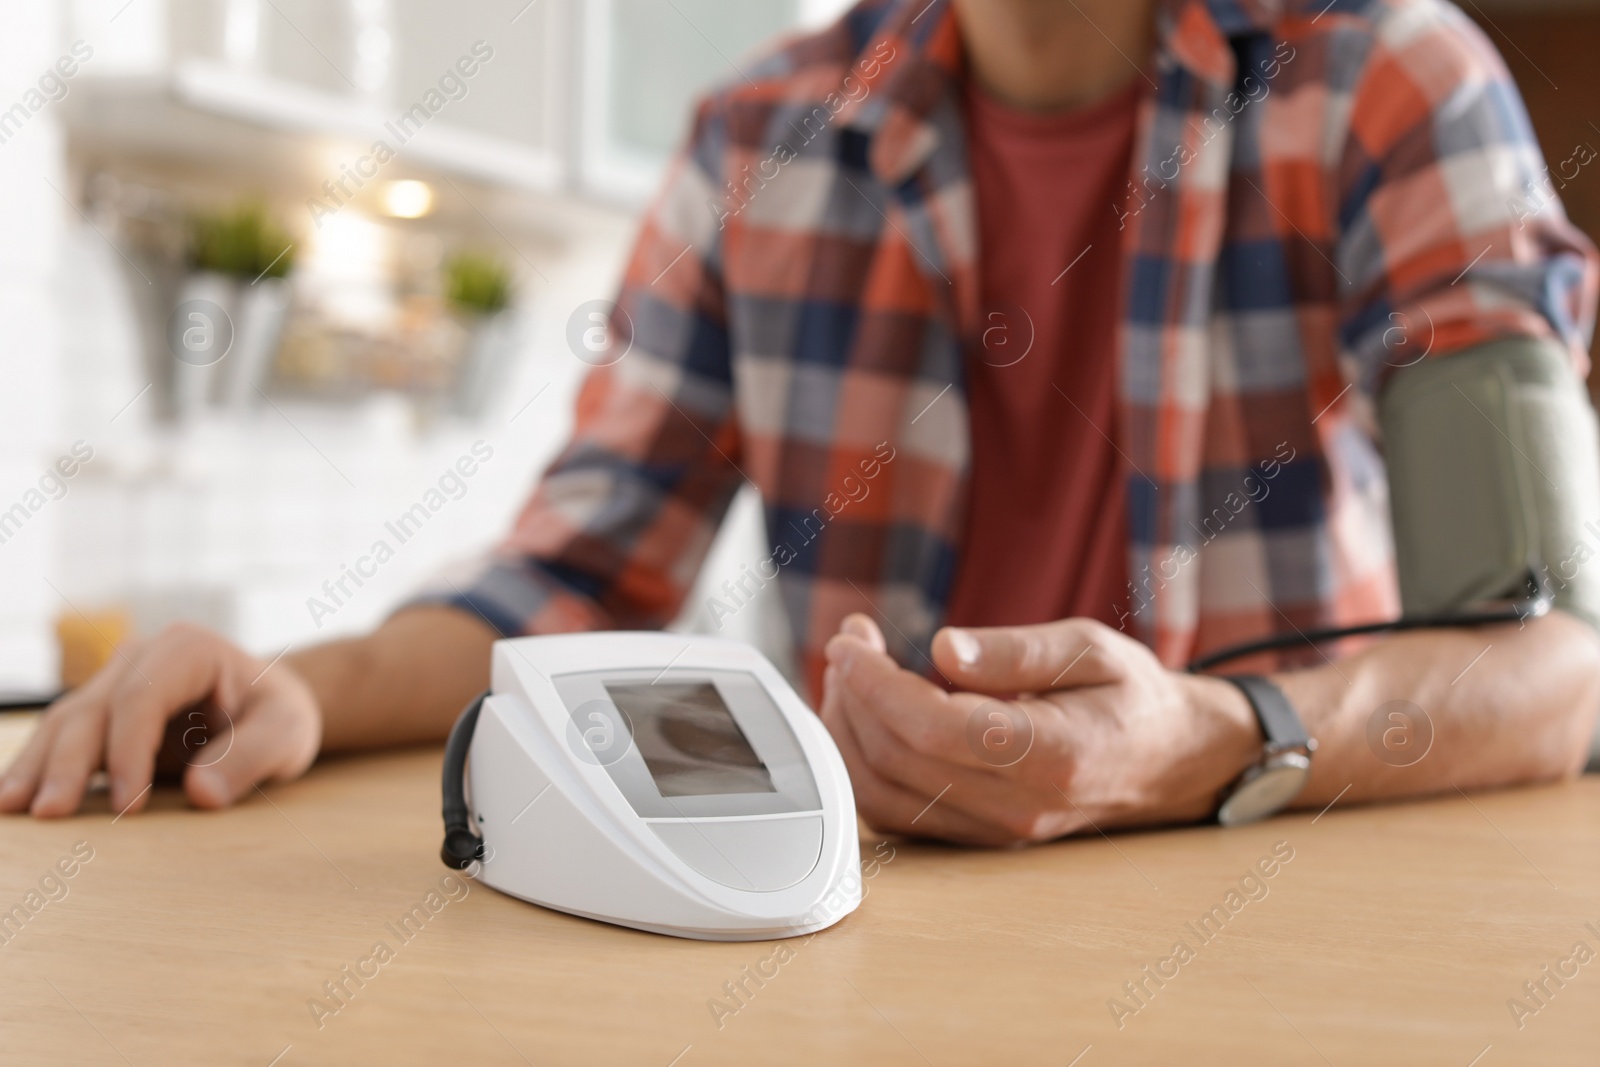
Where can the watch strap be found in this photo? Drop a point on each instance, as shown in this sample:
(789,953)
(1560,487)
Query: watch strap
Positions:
(1280,723)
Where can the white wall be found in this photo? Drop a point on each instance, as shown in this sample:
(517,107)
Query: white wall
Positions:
(237,521)
(31,220)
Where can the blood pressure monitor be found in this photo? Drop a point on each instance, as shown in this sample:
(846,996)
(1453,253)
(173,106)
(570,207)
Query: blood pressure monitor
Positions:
(666,782)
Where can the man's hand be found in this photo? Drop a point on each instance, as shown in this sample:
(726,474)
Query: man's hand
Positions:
(190,703)
(1054,728)
(185,702)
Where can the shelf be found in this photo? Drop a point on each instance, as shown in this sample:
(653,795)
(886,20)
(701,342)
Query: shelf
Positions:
(204,111)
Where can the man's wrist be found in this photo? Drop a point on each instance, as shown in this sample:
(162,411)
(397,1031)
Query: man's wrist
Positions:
(1229,741)
(326,673)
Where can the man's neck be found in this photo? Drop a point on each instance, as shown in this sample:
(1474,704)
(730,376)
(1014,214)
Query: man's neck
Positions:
(1051,55)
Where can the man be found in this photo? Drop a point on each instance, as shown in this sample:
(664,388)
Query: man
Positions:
(1002,306)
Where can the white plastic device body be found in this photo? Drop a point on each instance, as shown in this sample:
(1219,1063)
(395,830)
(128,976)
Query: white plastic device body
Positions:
(575,817)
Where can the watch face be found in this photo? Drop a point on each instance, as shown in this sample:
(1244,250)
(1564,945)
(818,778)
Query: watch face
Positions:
(1266,791)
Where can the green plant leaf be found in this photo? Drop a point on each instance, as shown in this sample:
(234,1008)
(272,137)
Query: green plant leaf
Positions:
(477,281)
(242,241)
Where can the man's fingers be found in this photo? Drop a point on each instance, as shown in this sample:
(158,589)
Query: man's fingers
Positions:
(922,715)
(864,628)
(984,794)
(268,740)
(985,797)
(186,667)
(236,736)
(891,809)
(133,737)
(924,741)
(888,807)
(1028,659)
(21,779)
(74,754)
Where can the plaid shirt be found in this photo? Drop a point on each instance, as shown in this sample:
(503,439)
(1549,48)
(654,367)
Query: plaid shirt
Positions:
(1320,192)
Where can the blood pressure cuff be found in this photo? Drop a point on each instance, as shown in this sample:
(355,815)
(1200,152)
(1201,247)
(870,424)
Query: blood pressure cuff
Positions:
(1494,469)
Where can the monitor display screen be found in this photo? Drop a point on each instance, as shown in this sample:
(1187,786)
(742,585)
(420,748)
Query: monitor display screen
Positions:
(689,739)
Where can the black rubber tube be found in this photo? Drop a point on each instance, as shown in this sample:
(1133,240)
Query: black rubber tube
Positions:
(461,846)
(1530,608)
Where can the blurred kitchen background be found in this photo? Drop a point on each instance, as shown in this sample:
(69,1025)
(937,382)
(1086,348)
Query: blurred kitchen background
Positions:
(167,159)
(385,313)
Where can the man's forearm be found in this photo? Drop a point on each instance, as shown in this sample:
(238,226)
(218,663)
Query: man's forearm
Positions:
(402,684)
(1504,705)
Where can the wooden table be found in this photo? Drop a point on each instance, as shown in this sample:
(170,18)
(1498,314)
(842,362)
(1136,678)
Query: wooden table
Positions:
(1394,935)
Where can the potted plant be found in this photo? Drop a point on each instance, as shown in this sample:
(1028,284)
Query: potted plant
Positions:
(231,307)
(477,287)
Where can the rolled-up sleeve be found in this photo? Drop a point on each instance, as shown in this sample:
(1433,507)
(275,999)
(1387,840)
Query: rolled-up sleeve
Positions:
(1451,229)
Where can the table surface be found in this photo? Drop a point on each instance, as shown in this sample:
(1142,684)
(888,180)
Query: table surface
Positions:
(1393,935)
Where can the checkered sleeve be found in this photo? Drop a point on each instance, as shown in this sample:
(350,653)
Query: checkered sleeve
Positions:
(1451,230)
(620,522)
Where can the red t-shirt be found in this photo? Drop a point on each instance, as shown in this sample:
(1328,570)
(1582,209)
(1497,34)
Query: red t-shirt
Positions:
(1046,526)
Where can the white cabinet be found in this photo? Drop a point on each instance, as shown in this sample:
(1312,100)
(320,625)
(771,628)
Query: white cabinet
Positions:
(585,96)
(473,88)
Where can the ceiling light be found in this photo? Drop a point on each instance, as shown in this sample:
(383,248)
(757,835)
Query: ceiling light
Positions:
(408,199)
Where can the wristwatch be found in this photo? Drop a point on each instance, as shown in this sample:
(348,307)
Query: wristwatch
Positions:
(1269,786)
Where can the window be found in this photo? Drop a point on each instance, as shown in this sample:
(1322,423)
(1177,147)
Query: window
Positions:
(646,62)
